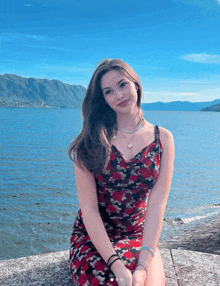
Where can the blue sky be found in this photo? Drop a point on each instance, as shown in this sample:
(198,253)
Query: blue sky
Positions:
(173,45)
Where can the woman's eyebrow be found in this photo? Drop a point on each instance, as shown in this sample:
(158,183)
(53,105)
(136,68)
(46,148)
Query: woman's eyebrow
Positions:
(106,88)
(123,79)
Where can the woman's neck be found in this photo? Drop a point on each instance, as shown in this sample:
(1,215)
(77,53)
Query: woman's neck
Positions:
(129,121)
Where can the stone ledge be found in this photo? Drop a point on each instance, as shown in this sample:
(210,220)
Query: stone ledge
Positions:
(182,268)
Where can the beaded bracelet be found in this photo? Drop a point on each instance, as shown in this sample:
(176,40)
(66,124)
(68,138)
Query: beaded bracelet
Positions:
(148,248)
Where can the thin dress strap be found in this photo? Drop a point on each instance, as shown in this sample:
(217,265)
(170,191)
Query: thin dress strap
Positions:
(156,132)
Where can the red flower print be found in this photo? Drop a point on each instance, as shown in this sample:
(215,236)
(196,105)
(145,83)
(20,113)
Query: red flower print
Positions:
(147,161)
(90,254)
(85,266)
(147,173)
(135,243)
(118,195)
(155,174)
(99,178)
(130,228)
(134,178)
(83,249)
(128,254)
(99,265)
(137,204)
(73,239)
(142,186)
(78,245)
(121,245)
(128,198)
(116,176)
(95,282)
(157,159)
(129,211)
(82,279)
(112,157)
(112,209)
(135,216)
(101,198)
(112,282)
(122,189)
(140,219)
(137,254)
(151,147)
(108,166)
(77,265)
(132,266)
(122,164)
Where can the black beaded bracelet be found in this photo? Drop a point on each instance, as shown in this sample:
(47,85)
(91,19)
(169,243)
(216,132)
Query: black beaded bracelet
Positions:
(111,257)
(114,261)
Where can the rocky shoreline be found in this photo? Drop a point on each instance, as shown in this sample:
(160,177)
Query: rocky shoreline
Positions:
(203,238)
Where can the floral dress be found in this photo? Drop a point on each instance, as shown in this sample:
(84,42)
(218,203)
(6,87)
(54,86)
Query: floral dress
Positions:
(123,190)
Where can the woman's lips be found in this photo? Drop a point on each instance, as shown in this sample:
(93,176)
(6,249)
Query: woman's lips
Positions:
(123,103)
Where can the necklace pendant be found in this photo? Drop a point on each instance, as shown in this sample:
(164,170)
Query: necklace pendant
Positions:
(129,145)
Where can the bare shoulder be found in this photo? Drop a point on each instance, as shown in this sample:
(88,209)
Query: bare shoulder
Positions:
(166,138)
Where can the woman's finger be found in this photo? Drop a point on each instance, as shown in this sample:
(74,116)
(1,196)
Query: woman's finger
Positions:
(139,277)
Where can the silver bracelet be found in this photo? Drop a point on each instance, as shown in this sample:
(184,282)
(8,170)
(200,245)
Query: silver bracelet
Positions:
(148,248)
(142,264)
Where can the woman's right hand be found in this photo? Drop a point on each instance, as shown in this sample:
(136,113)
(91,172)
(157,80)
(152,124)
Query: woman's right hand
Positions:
(123,275)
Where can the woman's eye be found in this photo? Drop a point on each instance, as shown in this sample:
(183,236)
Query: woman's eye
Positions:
(123,84)
(107,92)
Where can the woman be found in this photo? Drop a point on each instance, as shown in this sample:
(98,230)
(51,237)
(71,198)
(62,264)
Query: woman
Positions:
(123,171)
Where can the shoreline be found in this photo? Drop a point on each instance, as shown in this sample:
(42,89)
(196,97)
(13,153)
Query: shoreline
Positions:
(202,238)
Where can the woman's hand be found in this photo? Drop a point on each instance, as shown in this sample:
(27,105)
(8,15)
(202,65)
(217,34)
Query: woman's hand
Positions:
(139,276)
(123,275)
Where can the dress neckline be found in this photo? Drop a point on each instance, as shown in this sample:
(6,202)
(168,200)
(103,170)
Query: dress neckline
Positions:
(131,159)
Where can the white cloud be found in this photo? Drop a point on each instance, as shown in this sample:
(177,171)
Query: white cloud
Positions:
(187,93)
(202,58)
(28,5)
(167,96)
(218,2)
(195,82)
(12,37)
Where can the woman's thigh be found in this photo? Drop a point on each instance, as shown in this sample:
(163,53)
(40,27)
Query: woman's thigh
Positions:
(156,274)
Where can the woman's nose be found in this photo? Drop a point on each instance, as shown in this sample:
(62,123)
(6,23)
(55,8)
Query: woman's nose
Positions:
(119,94)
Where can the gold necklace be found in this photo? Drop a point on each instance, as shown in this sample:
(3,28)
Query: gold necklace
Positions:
(130,145)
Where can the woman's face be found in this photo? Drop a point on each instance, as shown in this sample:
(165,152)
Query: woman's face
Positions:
(119,91)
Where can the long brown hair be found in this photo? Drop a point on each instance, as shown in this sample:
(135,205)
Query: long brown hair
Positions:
(92,146)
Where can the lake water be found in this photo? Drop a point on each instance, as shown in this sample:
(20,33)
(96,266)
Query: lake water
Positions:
(38,196)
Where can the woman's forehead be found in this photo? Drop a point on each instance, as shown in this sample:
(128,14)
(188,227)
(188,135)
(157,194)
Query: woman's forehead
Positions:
(112,77)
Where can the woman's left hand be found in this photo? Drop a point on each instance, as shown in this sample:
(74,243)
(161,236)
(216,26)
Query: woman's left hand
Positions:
(139,276)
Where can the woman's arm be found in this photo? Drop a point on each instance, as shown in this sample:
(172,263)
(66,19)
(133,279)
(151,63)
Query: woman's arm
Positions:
(88,201)
(158,198)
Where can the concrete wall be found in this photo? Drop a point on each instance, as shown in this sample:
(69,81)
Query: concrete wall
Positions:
(182,268)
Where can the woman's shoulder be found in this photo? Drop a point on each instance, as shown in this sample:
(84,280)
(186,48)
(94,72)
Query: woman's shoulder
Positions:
(166,137)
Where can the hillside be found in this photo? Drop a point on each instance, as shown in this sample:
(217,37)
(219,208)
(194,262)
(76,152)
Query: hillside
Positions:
(17,91)
(215,107)
(178,105)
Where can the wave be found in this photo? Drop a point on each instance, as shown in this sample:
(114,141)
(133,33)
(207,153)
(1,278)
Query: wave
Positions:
(211,206)
(179,220)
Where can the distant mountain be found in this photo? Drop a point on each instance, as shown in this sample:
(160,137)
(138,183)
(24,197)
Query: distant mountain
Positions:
(17,91)
(178,105)
(215,107)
